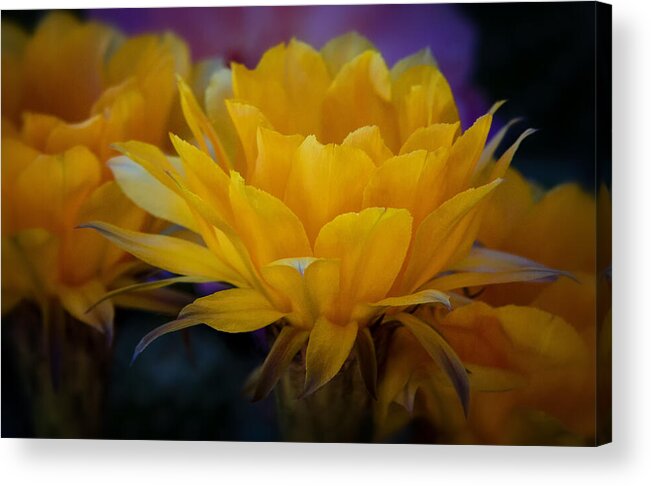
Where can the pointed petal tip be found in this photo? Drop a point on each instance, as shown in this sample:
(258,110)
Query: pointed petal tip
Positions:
(310,387)
(496,106)
(136,352)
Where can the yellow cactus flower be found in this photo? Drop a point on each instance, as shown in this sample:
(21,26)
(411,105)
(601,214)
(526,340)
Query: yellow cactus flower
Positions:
(69,91)
(329,190)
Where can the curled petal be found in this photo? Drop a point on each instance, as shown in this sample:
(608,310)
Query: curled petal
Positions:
(145,286)
(287,344)
(442,354)
(428,296)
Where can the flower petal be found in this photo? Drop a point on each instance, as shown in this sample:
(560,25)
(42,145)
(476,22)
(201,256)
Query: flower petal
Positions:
(370,140)
(269,229)
(422,96)
(287,344)
(201,127)
(363,83)
(421,58)
(78,301)
(431,138)
(247,119)
(442,235)
(274,161)
(169,253)
(344,48)
(427,296)
(442,354)
(145,286)
(365,348)
(371,245)
(172,326)
(465,154)
(51,189)
(233,310)
(150,194)
(288,86)
(327,350)
(326,180)
(411,181)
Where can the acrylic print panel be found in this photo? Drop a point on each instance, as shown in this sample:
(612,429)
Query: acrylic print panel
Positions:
(316,223)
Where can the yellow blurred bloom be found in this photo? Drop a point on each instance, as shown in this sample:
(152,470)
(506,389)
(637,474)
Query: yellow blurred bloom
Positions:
(532,365)
(329,190)
(69,91)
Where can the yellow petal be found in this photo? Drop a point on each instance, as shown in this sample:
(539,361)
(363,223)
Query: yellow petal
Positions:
(371,246)
(574,244)
(147,66)
(51,189)
(367,360)
(220,237)
(233,310)
(247,119)
(287,85)
(289,283)
(442,235)
(344,48)
(150,194)
(363,83)
(483,266)
(29,264)
(169,253)
(269,229)
(78,300)
(326,180)
(63,57)
(322,280)
(422,97)
(403,357)
(574,301)
(431,138)
(513,337)
(287,344)
(488,155)
(503,163)
(274,160)
(52,135)
(370,140)
(306,287)
(201,127)
(427,296)
(145,286)
(16,157)
(220,89)
(409,181)
(506,209)
(327,350)
(442,354)
(465,155)
(86,254)
(421,58)
(151,158)
(204,177)
(542,334)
